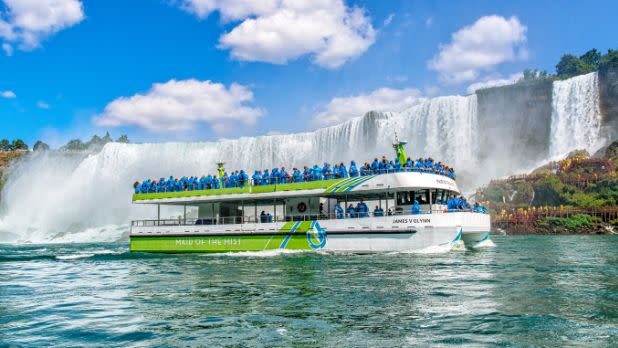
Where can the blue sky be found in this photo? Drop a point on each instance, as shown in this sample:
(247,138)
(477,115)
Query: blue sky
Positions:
(87,67)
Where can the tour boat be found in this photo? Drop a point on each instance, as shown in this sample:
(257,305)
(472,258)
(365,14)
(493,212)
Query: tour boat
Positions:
(302,216)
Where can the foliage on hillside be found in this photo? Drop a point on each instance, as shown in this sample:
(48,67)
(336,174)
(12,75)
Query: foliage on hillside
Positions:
(5,159)
(571,65)
(576,181)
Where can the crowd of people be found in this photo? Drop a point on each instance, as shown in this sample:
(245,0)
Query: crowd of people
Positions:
(282,176)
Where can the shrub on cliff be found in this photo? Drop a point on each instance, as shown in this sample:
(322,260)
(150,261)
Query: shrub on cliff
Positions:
(572,222)
(548,191)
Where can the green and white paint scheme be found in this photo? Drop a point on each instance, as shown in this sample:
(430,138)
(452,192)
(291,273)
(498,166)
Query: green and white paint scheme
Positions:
(400,232)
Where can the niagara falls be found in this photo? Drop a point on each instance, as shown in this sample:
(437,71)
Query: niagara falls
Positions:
(324,173)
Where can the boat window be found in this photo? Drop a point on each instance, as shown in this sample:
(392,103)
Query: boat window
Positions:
(421,196)
(439,196)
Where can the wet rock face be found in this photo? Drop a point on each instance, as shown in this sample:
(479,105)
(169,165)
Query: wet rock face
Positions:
(608,91)
(515,122)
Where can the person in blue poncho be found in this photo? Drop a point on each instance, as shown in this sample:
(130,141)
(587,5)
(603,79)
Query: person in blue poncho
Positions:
(317,173)
(179,185)
(382,165)
(479,208)
(338,211)
(397,165)
(378,212)
(282,175)
(343,170)
(225,180)
(327,171)
(265,177)
(256,177)
(350,212)
(453,202)
(297,176)
(365,169)
(243,178)
(429,164)
(137,187)
(409,163)
(170,186)
(375,166)
(390,167)
(274,176)
(416,208)
(336,172)
(306,173)
(362,209)
(353,170)
(420,164)
(216,183)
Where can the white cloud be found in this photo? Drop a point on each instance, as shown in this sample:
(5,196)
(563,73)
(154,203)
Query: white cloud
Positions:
(42,105)
(8,49)
(429,22)
(276,31)
(8,94)
(389,19)
(491,40)
(495,82)
(180,105)
(384,99)
(26,23)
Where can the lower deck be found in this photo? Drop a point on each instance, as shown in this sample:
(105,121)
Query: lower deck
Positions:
(368,234)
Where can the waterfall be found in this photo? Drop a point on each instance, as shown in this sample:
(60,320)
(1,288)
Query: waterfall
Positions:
(576,115)
(56,196)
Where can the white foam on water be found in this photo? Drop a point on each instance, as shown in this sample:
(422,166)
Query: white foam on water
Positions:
(487,243)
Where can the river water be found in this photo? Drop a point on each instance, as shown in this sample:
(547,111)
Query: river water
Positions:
(527,291)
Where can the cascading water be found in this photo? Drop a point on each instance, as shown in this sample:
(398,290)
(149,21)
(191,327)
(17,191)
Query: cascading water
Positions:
(576,115)
(53,196)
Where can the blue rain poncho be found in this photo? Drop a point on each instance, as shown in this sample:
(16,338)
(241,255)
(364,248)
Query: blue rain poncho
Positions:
(416,208)
(397,165)
(362,209)
(256,177)
(353,169)
(350,212)
(343,170)
(375,166)
(338,211)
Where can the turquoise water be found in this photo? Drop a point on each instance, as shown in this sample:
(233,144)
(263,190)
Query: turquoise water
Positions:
(528,291)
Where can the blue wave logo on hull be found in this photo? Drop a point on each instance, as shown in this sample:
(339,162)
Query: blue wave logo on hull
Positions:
(316,236)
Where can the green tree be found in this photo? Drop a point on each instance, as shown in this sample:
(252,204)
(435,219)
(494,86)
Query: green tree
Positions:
(74,145)
(19,144)
(40,146)
(5,145)
(609,60)
(592,58)
(123,139)
(107,138)
(95,141)
(569,66)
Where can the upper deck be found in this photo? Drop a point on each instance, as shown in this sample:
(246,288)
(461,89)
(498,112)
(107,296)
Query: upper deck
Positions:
(397,180)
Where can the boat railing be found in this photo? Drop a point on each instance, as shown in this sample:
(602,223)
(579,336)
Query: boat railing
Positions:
(239,220)
(290,180)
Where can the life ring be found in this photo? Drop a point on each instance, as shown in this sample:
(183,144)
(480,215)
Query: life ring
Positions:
(302,207)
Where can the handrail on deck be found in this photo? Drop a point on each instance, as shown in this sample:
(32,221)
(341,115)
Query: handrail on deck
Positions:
(284,181)
(238,220)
